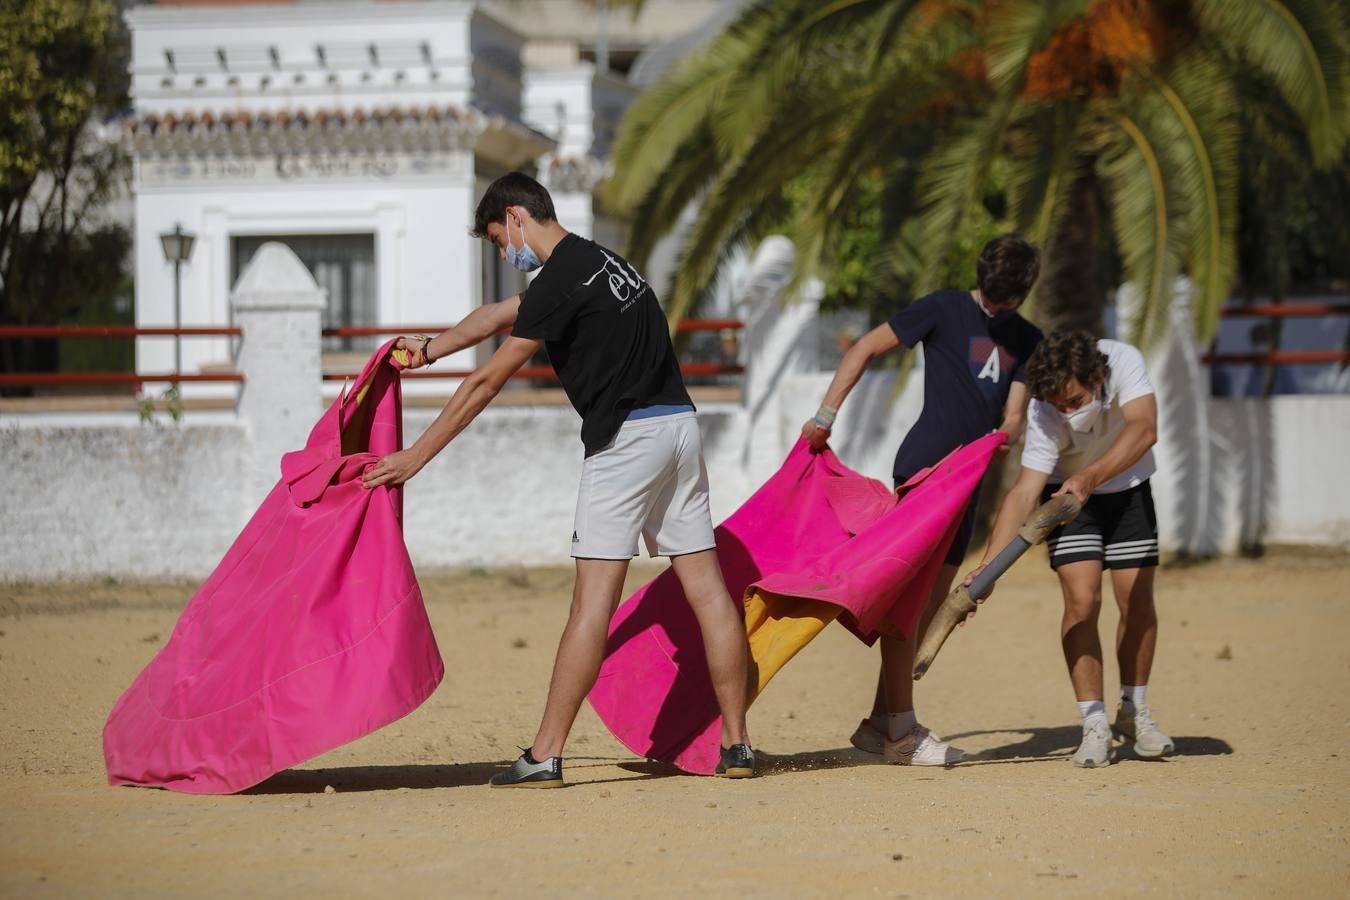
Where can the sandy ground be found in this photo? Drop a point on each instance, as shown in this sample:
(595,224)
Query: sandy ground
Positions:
(1251,680)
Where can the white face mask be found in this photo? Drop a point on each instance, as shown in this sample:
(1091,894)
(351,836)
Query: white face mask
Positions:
(1085,417)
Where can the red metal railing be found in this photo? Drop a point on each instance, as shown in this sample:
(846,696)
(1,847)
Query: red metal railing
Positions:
(685,327)
(697,369)
(35,332)
(77,332)
(1278,358)
(1284,310)
(53,379)
(1282,357)
(109,379)
(543,372)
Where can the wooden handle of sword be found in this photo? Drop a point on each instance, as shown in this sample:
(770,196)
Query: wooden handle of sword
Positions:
(953,611)
(961,601)
(1047,517)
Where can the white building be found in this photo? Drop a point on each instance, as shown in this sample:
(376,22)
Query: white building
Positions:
(361,134)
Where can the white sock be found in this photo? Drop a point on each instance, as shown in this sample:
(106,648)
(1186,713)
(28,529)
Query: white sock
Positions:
(1133,694)
(1090,708)
(900,724)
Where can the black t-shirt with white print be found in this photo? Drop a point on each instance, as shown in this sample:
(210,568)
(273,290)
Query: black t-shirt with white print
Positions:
(605,334)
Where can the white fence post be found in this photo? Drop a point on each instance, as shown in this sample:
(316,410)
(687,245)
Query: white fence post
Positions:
(278,306)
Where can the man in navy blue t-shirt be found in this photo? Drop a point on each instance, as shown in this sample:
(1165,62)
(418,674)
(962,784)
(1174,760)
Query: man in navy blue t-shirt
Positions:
(975,348)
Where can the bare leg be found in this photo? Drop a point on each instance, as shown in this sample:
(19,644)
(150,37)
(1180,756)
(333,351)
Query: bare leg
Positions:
(722,623)
(1137,634)
(895,684)
(1081,583)
(580,650)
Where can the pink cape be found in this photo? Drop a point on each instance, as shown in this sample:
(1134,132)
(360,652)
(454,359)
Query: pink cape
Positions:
(816,542)
(310,633)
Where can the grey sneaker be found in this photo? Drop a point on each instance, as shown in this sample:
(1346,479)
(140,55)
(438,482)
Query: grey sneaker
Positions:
(526,773)
(868,738)
(1095,751)
(1138,726)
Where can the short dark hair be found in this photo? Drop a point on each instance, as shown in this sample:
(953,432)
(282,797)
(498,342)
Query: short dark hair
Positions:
(1061,356)
(512,189)
(1007,269)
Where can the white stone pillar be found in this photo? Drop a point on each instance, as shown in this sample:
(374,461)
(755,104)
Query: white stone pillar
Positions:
(277,305)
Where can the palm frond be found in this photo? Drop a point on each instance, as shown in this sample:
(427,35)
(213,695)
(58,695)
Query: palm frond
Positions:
(1197,93)
(1018,28)
(660,209)
(955,175)
(802,46)
(1045,158)
(665,117)
(1304,47)
(785,148)
(1145,213)
(874,125)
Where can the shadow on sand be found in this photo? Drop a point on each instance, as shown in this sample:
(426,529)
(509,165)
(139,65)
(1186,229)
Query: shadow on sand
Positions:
(1040,744)
(423,776)
(1037,745)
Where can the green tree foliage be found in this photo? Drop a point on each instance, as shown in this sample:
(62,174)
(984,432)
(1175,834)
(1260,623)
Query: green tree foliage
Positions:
(62,64)
(1107,131)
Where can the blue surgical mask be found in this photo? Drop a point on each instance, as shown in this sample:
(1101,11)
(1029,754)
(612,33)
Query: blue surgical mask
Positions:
(523,259)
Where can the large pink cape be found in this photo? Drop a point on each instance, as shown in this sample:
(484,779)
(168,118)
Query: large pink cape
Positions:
(816,542)
(310,633)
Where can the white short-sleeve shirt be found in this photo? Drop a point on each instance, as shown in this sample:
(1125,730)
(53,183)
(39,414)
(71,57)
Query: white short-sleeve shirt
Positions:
(1059,451)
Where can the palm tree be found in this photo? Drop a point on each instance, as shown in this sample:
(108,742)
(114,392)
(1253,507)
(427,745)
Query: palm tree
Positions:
(1104,130)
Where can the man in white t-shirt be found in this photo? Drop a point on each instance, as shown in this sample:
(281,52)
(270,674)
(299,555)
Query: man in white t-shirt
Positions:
(1090,430)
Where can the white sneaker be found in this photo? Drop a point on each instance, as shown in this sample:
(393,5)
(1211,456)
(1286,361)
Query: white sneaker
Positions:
(1095,751)
(920,747)
(1138,726)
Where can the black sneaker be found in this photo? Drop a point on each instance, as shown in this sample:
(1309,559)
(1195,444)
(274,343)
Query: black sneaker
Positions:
(738,761)
(525,772)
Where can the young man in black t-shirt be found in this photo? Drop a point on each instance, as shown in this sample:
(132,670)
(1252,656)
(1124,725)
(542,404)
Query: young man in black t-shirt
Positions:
(975,349)
(643,473)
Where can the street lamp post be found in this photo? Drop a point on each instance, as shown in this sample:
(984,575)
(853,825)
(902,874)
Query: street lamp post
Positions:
(177,250)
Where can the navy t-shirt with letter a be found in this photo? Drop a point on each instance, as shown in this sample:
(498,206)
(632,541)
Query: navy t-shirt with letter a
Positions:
(970,362)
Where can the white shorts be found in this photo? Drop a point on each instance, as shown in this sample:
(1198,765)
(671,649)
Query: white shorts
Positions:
(651,481)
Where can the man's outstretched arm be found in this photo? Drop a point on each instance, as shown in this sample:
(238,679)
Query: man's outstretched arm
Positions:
(877,342)
(471,398)
(473,329)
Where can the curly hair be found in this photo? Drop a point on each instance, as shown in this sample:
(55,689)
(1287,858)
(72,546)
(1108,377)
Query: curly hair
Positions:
(512,189)
(1061,356)
(1007,268)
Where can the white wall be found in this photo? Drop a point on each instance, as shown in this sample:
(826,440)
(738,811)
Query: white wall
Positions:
(1275,475)
(135,500)
(85,500)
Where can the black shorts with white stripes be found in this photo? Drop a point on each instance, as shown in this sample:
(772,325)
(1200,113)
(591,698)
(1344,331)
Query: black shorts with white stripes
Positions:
(1118,530)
